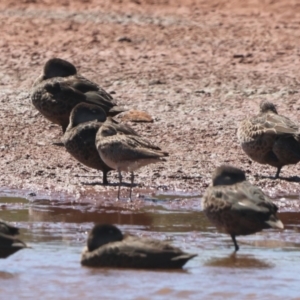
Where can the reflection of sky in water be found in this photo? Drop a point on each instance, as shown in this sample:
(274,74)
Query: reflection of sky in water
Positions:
(267,265)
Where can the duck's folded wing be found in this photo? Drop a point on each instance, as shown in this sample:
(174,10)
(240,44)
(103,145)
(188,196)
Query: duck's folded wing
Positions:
(280,125)
(154,253)
(84,85)
(240,197)
(64,92)
(247,196)
(147,144)
(95,97)
(268,124)
(253,202)
(121,127)
(128,150)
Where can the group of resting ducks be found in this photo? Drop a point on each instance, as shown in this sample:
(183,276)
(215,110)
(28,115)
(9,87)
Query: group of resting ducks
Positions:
(84,111)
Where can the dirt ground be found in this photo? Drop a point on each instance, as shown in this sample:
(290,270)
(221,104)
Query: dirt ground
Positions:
(197,67)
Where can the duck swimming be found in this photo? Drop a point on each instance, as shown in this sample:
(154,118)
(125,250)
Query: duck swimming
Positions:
(108,247)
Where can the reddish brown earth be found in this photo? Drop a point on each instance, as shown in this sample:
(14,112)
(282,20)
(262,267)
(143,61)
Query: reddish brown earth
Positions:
(197,67)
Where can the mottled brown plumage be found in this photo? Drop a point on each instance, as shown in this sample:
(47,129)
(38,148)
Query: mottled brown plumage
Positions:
(79,138)
(126,152)
(8,243)
(59,89)
(237,207)
(269,138)
(108,247)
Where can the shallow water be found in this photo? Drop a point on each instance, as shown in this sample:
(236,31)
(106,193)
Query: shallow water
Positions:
(267,265)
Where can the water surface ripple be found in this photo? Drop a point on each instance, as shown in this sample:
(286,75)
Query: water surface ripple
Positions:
(266,267)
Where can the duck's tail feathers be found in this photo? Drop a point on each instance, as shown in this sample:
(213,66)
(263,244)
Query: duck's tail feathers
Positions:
(116,110)
(184,257)
(275,223)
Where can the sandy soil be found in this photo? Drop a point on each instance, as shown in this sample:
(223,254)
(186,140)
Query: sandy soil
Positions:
(197,67)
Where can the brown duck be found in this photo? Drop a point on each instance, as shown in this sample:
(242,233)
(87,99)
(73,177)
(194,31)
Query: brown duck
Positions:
(60,88)
(237,207)
(79,138)
(8,243)
(108,247)
(126,152)
(270,138)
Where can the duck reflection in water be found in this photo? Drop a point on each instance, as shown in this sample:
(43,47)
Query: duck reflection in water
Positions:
(239,261)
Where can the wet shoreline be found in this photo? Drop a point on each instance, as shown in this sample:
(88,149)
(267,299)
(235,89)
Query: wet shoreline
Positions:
(169,200)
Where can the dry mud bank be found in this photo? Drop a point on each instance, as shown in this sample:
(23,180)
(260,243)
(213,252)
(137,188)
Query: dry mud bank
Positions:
(197,67)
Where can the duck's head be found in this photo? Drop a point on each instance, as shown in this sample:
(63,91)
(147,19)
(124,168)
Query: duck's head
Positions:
(57,67)
(103,234)
(84,112)
(227,175)
(266,106)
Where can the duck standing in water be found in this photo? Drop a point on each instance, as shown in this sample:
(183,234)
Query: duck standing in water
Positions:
(80,136)
(270,138)
(8,243)
(108,247)
(60,88)
(237,207)
(126,152)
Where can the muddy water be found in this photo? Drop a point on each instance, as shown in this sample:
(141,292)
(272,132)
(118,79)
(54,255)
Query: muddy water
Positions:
(267,266)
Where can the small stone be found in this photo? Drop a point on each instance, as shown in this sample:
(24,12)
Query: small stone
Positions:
(136,116)
(156,81)
(124,39)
